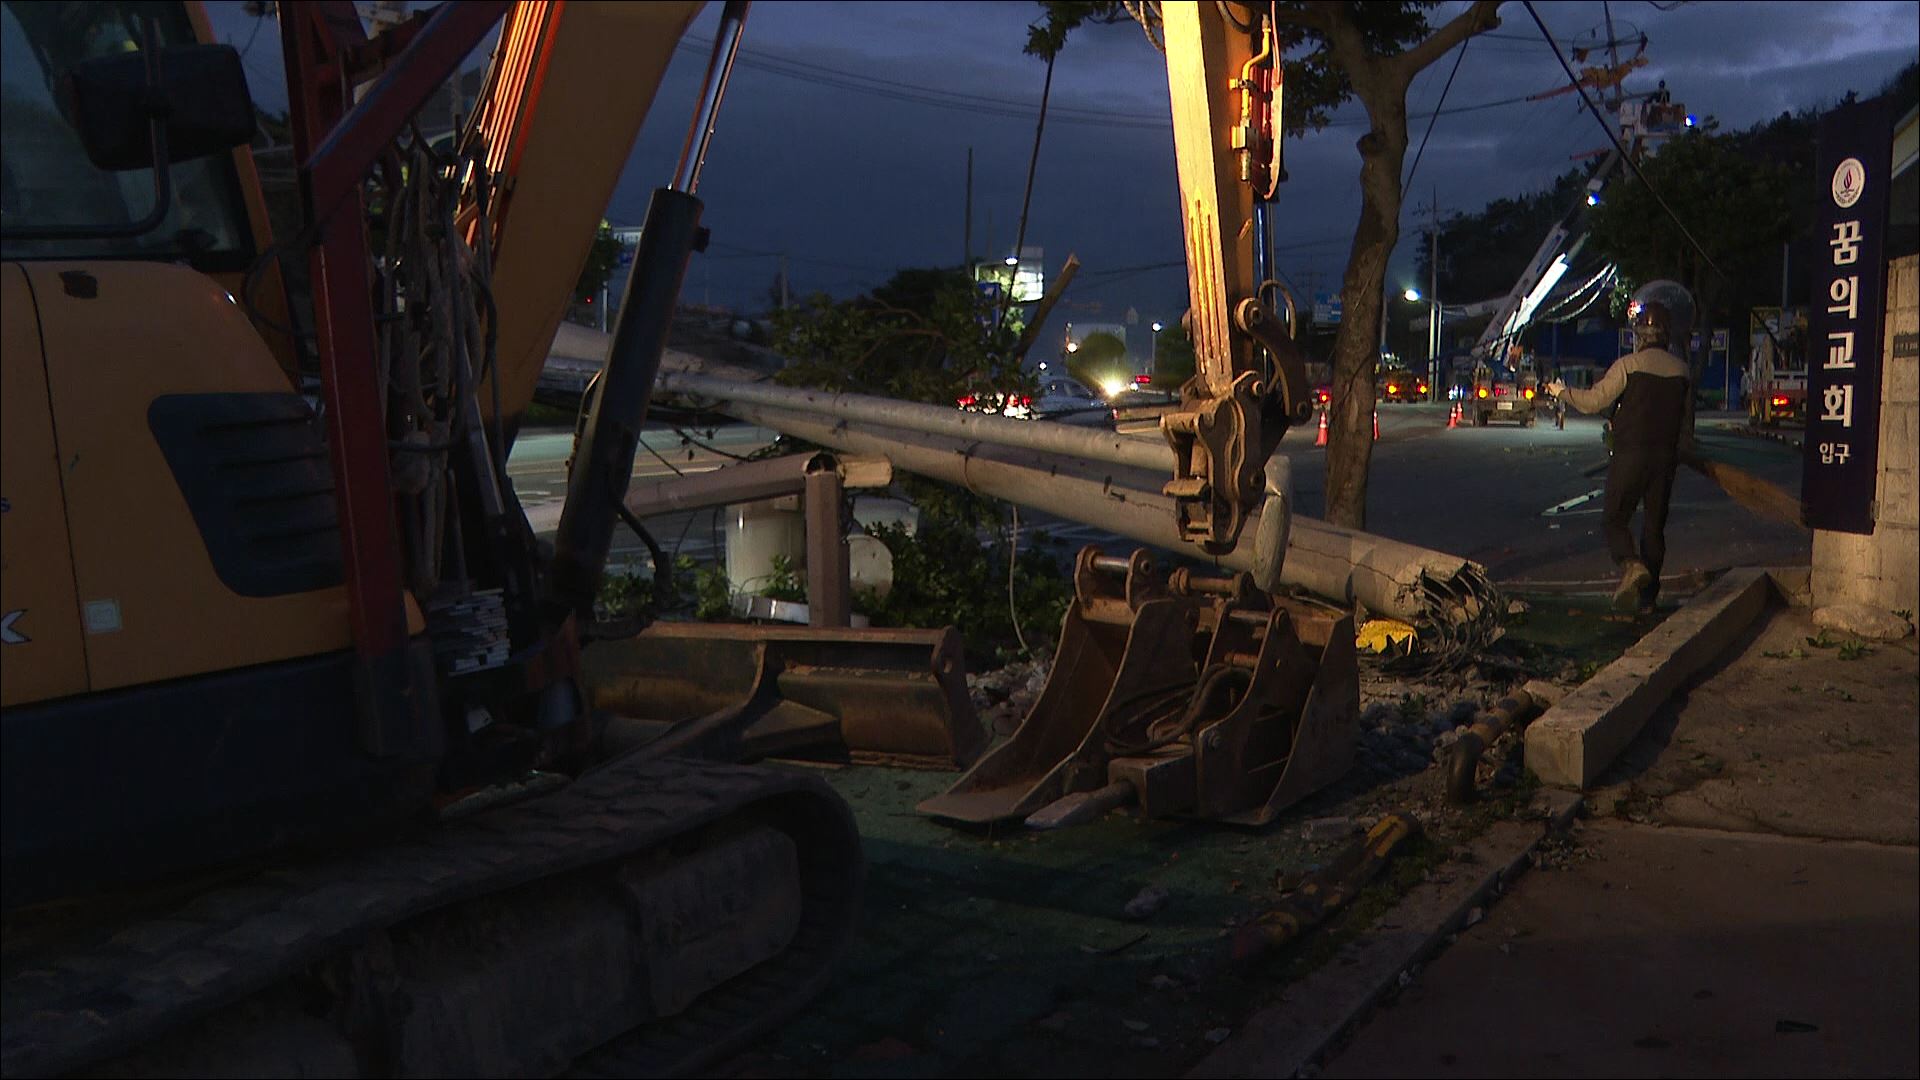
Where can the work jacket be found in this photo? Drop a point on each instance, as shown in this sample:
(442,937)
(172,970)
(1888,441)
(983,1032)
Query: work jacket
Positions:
(1652,388)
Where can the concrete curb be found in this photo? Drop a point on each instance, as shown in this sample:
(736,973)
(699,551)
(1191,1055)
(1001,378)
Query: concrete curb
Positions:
(1285,1038)
(1577,739)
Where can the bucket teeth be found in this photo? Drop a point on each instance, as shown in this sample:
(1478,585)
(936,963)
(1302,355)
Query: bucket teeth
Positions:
(1204,696)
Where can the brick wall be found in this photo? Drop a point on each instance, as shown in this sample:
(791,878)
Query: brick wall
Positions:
(1883,569)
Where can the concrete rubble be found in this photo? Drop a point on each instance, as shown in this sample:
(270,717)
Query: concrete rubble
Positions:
(1862,620)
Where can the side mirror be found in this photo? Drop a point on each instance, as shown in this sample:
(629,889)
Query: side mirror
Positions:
(202,98)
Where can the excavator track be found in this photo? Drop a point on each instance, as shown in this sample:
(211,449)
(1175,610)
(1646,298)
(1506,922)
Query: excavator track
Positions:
(597,929)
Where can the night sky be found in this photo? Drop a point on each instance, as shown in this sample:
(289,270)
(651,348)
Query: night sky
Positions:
(843,139)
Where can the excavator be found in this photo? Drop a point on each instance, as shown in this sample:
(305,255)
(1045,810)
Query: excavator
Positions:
(302,769)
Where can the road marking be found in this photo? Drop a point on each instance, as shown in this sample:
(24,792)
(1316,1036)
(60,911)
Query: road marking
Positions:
(1577,500)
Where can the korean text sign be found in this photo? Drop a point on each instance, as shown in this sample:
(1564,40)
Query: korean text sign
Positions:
(1848,306)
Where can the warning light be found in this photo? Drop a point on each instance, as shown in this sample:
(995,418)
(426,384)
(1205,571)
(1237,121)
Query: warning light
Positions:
(1593,198)
(1690,120)
(1483,391)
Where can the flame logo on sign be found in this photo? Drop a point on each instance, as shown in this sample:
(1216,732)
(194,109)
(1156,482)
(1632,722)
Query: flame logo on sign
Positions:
(1848,182)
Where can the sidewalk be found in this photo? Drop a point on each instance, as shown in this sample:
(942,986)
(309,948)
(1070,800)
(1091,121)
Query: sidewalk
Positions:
(1744,905)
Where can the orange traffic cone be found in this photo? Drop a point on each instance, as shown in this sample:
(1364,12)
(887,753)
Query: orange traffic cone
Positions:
(1321,439)
(1376,425)
(1453,416)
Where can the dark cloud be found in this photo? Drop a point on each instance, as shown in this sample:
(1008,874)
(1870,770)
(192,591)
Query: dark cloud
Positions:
(852,183)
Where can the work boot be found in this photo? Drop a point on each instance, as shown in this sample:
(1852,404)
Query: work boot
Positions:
(1634,579)
(1650,596)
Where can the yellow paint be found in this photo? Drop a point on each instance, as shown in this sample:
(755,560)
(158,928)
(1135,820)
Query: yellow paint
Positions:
(156,329)
(1381,635)
(559,148)
(36,565)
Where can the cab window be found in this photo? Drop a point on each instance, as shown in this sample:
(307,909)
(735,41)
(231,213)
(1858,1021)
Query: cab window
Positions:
(45,176)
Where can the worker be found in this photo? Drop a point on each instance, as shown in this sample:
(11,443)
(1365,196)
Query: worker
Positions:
(1652,387)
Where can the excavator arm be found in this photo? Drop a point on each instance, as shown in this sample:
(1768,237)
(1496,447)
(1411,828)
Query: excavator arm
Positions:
(1249,383)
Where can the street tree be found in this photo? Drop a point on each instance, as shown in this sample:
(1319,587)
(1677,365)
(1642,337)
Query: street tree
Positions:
(602,257)
(1738,209)
(1339,51)
(1172,357)
(923,336)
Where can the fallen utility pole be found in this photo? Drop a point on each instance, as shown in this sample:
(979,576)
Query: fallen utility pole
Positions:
(1150,454)
(1449,600)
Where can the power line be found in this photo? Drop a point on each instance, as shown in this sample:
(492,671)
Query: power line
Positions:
(947,99)
(1615,139)
(767,59)
(248,47)
(1435,118)
(1005,108)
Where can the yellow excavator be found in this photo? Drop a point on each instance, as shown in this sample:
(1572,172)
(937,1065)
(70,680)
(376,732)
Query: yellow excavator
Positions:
(302,774)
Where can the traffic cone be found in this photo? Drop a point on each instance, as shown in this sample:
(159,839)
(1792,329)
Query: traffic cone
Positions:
(1376,425)
(1453,416)
(1321,439)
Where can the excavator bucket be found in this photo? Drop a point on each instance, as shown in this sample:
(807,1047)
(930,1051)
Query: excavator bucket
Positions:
(1124,641)
(742,693)
(1188,695)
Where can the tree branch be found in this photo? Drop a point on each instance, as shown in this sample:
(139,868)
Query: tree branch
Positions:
(1305,18)
(1483,15)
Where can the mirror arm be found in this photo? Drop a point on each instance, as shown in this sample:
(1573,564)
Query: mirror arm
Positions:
(162,168)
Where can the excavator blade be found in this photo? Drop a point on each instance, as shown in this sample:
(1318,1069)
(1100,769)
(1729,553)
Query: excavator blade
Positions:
(741,693)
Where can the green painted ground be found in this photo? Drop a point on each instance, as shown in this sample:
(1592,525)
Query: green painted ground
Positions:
(1010,953)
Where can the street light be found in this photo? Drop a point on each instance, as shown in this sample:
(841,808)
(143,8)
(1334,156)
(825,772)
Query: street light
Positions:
(1412,295)
(1013,260)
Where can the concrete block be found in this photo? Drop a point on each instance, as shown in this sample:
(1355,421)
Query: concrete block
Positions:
(1899,434)
(1899,503)
(1848,568)
(1863,620)
(1792,584)
(1899,585)
(1900,384)
(1574,742)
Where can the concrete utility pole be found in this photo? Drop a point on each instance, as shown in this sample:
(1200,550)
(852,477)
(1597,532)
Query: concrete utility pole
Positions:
(966,262)
(1433,300)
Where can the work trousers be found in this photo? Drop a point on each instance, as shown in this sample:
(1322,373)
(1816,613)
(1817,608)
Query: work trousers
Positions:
(1638,476)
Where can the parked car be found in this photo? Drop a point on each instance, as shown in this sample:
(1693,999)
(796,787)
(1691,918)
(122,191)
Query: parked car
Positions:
(1068,401)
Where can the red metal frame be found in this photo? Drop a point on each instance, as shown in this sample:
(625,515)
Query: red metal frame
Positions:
(337,142)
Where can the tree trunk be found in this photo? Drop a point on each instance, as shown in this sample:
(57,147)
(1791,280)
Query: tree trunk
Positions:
(1383,151)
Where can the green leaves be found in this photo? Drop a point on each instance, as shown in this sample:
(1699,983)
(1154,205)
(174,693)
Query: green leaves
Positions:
(926,335)
(1739,207)
(601,258)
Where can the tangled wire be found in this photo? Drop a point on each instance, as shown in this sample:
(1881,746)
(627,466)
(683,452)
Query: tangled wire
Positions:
(435,318)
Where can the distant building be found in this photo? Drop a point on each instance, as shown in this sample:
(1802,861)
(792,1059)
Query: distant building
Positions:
(1023,276)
